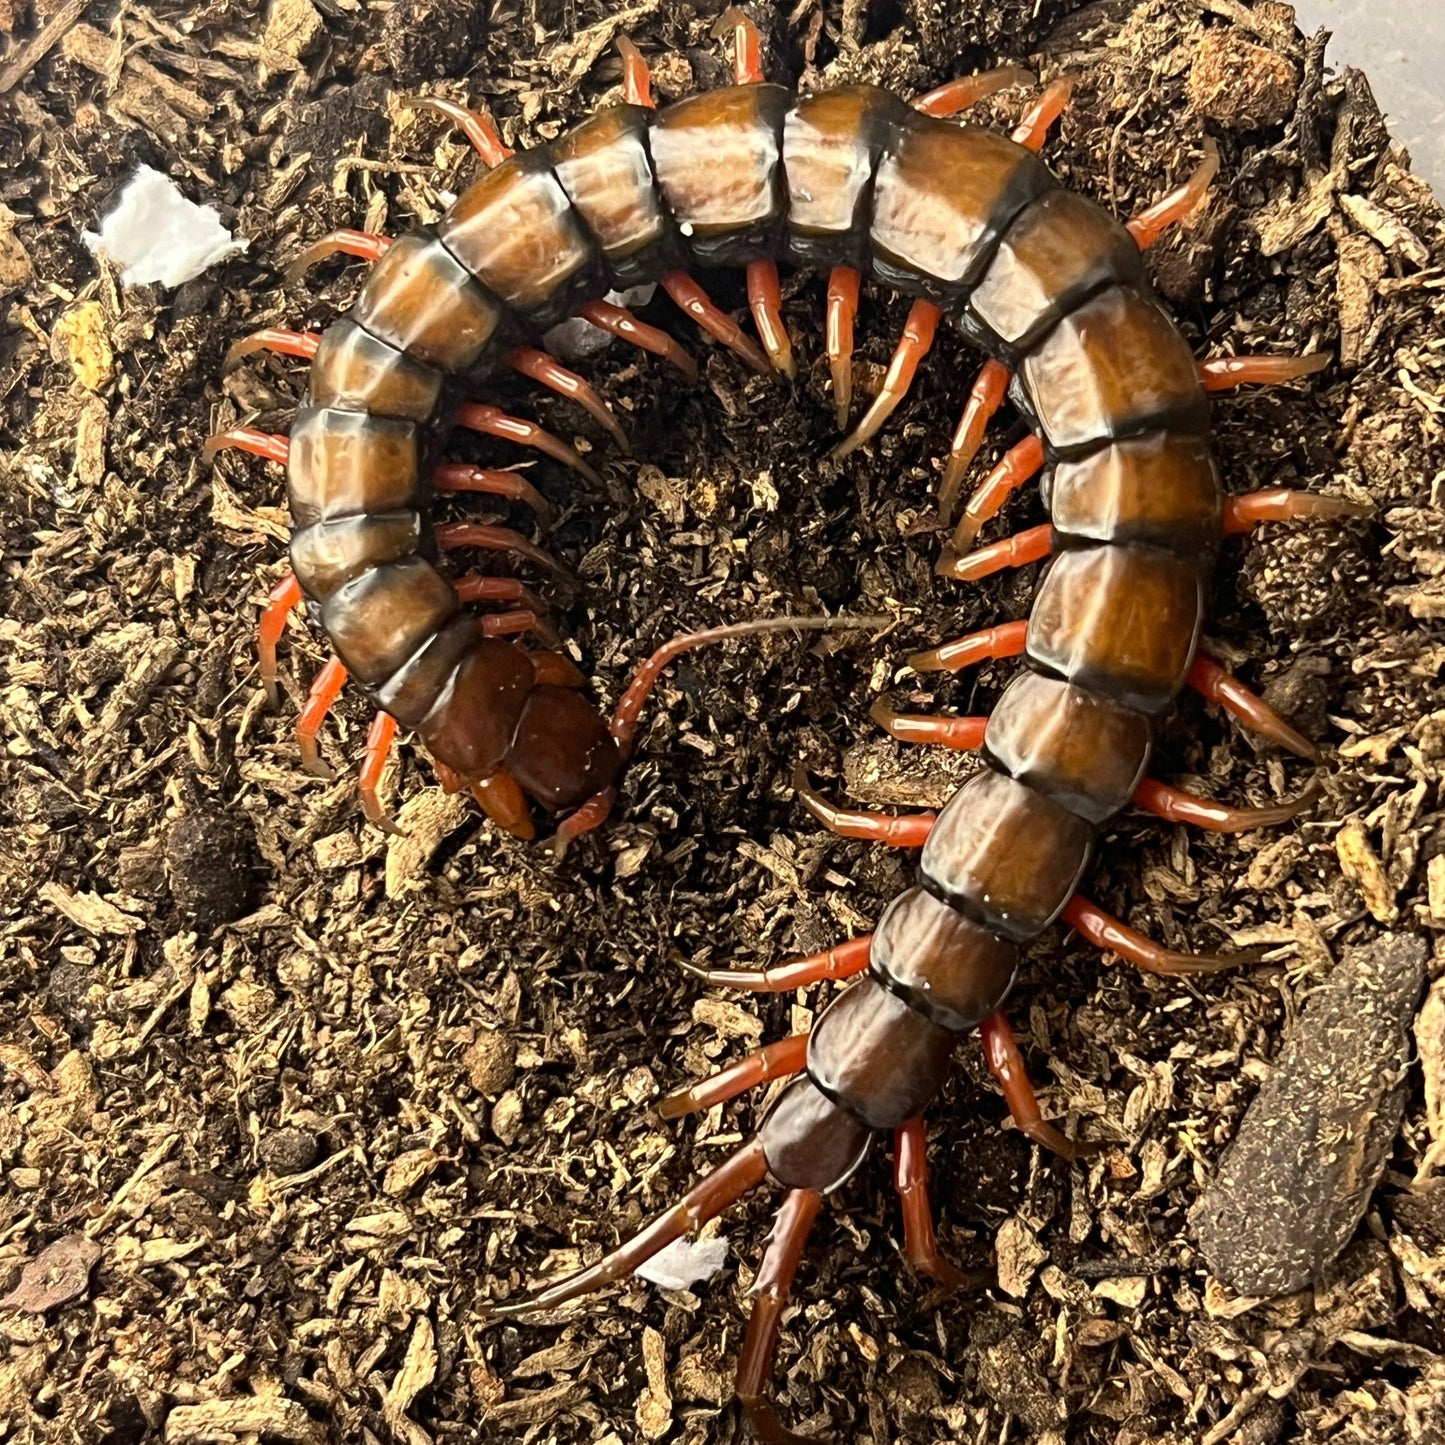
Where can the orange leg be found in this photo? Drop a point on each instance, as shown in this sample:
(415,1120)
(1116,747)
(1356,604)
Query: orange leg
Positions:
(1008,639)
(1033,127)
(264,444)
(1211,680)
(618,321)
(962,734)
(1105,931)
(843,283)
(473,588)
(1007,1066)
(1243,514)
(910,1179)
(1176,806)
(773,1061)
(373,763)
(636,77)
(451,535)
(272,338)
(1020,464)
(493,482)
(504,802)
(958,95)
(724,1186)
(284,597)
(989,390)
(718,324)
(476,127)
(765,297)
(591,814)
(550,372)
(770,1294)
(844,961)
(1016,551)
(511,624)
(747,48)
(903,830)
(324,692)
(918,333)
(1224,373)
(494,422)
(364,244)
(1149,225)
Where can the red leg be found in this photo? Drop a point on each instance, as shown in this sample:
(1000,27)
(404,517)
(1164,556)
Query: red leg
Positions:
(773,1061)
(989,389)
(1033,127)
(1208,678)
(910,1179)
(591,814)
(494,422)
(474,588)
(1006,640)
(770,1290)
(636,77)
(264,444)
(379,741)
(747,48)
(765,297)
(324,692)
(618,321)
(903,830)
(347,243)
(1105,931)
(504,802)
(491,481)
(1176,806)
(844,961)
(1243,514)
(476,127)
(549,372)
(284,597)
(451,535)
(1007,1066)
(272,338)
(1224,373)
(958,95)
(1020,464)
(724,1186)
(1016,551)
(1148,226)
(718,324)
(962,734)
(918,333)
(843,283)
(510,624)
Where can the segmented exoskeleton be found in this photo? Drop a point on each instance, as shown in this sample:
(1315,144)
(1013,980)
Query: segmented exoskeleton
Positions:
(972,225)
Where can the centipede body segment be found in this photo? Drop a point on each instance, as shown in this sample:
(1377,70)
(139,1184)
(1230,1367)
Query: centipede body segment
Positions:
(860,185)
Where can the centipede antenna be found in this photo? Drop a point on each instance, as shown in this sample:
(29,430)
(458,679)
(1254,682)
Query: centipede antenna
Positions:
(989,389)
(636,76)
(493,421)
(618,321)
(918,333)
(843,284)
(1149,225)
(780,1060)
(363,244)
(1174,805)
(1020,464)
(379,741)
(742,1171)
(301,344)
(894,830)
(284,598)
(549,372)
(717,323)
(477,128)
(1224,373)
(268,445)
(958,95)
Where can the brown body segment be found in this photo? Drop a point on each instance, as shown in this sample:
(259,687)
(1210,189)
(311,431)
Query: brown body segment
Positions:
(349,464)
(354,371)
(330,554)
(387,615)
(1122,621)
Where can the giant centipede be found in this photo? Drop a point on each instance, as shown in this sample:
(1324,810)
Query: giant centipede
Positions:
(973,227)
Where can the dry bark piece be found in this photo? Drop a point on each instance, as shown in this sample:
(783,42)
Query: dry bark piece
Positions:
(1295,1182)
(1240,84)
(209,857)
(59,1273)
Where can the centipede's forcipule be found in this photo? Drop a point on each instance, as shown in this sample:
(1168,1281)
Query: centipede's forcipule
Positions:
(972,227)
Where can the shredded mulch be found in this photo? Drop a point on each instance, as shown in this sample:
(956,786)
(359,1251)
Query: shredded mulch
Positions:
(287,1101)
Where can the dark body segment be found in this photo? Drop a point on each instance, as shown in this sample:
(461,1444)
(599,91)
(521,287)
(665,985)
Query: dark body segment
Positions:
(383,618)
(330,554)
(355,371)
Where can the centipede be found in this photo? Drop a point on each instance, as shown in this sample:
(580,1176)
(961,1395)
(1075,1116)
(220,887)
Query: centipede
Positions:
(969,225)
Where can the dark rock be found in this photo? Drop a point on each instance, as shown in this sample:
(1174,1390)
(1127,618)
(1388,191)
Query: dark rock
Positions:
(289,1151)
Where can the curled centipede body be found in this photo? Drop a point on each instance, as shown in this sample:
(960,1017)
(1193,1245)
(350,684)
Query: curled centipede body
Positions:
(973,226)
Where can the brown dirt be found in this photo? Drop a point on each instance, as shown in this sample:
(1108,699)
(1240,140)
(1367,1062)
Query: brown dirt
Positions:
(316,1098)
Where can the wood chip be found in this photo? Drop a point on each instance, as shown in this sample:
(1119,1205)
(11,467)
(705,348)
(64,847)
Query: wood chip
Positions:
(89,911)
(1019,1256)
(59,1273)
(225,1422)
(1361,865)
(424,821)
(654,1404)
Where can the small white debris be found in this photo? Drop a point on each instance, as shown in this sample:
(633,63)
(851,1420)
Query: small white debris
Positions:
(158,235)
(685,1261)
(576,339)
